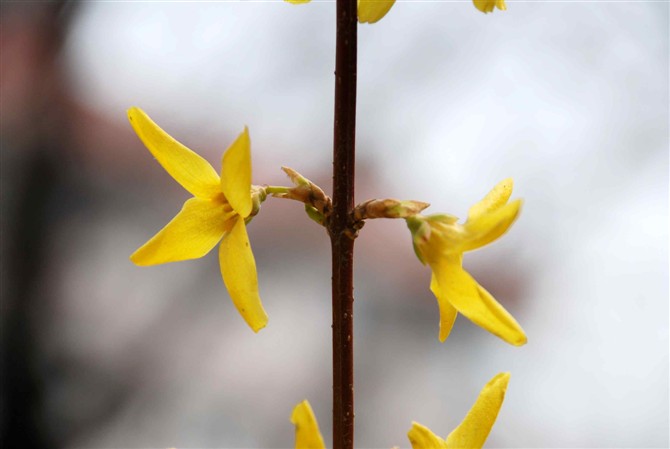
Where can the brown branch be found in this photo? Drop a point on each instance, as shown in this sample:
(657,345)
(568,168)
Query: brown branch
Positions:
(340,226)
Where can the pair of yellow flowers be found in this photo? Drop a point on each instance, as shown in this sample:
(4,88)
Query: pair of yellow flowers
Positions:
(371,11)
(222,205)
(220,209)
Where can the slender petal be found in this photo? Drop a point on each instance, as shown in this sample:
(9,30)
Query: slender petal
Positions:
(191,234)
(190,170)
(238,269)
(489,227)
(236,174)
(307,435)
(475,428)
(371,11)
(498,196)
(298,2)
(447,312)
(455,285)
(421,437)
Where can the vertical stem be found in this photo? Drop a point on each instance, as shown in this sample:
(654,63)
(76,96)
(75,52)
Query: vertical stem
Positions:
(339,224)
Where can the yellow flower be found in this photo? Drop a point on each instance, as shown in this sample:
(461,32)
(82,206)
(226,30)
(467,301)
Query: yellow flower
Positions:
(487,6)
(471,433)
(307,434)
(440,242)
(217,212)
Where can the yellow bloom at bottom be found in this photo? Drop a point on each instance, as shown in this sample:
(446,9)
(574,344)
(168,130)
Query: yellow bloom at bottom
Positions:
(471,433)
(216,213)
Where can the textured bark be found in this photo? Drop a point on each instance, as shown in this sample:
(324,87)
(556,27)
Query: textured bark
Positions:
(340,224)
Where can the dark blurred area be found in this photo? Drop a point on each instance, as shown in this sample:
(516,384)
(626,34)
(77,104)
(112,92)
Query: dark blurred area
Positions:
(44,184)
(36,138)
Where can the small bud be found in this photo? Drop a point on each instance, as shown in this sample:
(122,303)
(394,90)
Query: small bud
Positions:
(388,208)
(306,192)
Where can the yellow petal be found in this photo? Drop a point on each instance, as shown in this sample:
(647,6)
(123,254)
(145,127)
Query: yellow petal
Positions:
(297,2)
(307,435)
(499,195)
(447,312)
(190,170)
(455,285)
(236,174)
(488,5)
(475,428)
(191,234)
(238,269)
(422,438)
(371,11)
(486,228)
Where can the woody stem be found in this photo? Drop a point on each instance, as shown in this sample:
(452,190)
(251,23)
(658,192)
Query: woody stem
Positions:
(340,226)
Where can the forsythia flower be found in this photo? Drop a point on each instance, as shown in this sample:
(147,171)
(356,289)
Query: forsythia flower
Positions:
(217,212)
(471,433)
(371,11)
(440,242)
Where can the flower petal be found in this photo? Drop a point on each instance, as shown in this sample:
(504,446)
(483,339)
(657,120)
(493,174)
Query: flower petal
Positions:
(371,11)
(475,428)
(307,435)
(297,2)
(499,195)
(191,234)
(189,169)
(238,269)
(236,174)
(447,312)
(489,227)
(422,438)
(488,5)
(459,288)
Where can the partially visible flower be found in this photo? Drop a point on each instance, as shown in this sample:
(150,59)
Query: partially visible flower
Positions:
(473,431)
(487,6)
(440,242)
(307,434)
(371,11)
(217,212)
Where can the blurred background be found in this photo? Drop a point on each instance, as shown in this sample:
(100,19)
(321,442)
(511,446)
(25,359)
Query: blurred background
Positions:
(568,98)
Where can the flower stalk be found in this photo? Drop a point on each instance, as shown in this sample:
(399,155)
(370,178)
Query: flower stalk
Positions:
(340,224)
